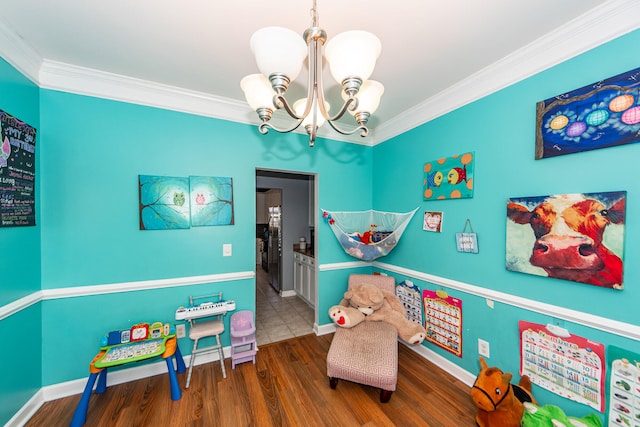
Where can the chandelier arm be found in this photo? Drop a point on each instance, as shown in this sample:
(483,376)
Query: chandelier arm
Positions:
(265,126)
(364,130)
(281,103)
(346,106)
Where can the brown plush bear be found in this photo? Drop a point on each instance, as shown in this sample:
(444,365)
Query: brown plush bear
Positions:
(370,303)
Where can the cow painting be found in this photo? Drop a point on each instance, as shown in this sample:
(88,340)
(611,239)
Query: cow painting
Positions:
(576,237)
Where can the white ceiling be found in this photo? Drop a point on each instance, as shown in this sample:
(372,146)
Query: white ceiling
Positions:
(200,49)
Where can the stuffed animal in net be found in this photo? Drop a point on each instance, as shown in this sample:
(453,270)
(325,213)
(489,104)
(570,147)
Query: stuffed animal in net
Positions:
(553,416)
(368,303)
(499,402)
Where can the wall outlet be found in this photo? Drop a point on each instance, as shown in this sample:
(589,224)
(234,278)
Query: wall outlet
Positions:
(483,348)
(181,332)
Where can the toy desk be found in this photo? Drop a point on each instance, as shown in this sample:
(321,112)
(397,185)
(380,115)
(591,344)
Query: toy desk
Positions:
(165,346)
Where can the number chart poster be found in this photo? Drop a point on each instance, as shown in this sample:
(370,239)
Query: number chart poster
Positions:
(443,320)
(570,366)
(17,172)
(624,387)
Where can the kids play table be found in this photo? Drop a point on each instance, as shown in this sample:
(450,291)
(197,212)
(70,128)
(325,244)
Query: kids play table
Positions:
(139,345)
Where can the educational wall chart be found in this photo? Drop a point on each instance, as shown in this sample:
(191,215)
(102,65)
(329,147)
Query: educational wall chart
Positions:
(443,320)
(17,172)
(624,387)
(568,365)
(409,295)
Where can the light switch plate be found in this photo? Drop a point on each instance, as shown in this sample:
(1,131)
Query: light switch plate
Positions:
(226,249)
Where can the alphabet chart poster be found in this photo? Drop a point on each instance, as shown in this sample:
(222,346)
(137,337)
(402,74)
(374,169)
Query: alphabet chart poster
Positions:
(443,320)
(624,387)
(409,295)
(568,365)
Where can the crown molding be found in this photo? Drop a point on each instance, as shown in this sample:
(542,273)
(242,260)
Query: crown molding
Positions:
(602,24)
(612,19)
(101,84)
(17,53)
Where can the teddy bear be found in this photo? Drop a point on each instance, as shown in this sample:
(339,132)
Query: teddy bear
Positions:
(365,302)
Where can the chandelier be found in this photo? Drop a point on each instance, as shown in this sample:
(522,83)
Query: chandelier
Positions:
(280,54)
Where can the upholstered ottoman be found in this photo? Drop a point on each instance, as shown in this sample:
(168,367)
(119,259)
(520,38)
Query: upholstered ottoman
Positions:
(368,352)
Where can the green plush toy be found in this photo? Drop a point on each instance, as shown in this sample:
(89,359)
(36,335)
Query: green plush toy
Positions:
(552,416)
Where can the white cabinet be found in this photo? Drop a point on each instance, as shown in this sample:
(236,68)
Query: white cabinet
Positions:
(304,277)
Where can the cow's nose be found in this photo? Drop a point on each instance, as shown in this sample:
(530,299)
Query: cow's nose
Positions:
(573,252)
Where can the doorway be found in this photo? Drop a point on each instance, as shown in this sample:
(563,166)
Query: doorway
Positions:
(280,311)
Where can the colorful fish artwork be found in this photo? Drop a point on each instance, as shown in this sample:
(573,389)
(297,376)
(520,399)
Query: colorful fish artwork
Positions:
(457,175)
(449,177)
(434,179)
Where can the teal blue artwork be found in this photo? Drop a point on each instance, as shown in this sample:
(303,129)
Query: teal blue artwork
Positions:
(211,201)
(164,202)
(449,177)
(600,115)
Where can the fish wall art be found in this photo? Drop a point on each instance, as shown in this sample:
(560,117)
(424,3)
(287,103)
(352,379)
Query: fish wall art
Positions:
(449,177)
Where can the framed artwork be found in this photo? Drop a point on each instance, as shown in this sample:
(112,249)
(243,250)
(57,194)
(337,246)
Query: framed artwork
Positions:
(164,202)
(211,200)
(432,221)
(576,237)
(17,172)
(599,115)
(449,177)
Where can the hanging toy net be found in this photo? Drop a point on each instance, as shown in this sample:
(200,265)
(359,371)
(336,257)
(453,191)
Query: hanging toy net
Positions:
(368,235)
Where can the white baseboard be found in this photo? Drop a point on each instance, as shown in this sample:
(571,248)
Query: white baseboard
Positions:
(289,293)
(27,411)
(329,328)
(444,364)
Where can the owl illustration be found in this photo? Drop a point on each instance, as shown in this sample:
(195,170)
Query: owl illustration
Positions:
(200,199)
(178,198)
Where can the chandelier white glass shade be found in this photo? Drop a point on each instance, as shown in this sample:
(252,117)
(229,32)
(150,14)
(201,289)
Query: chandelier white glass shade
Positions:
(280,54)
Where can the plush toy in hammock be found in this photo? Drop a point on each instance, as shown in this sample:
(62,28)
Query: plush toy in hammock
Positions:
(500,403)
(364,302)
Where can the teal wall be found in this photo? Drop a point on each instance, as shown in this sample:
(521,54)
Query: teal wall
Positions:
(91,151)
(94,150)
(500,129)
(20,266)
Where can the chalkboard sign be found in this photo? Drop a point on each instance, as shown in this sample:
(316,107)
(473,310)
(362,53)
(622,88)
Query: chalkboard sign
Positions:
(17,172)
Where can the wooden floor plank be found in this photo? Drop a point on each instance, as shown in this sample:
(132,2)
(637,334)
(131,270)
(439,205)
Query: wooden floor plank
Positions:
(287,386)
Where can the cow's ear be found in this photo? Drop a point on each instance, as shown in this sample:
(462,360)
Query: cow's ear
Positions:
(615,214)
(518,213)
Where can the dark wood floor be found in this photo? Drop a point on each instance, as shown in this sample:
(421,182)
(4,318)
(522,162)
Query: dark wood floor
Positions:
(286,387)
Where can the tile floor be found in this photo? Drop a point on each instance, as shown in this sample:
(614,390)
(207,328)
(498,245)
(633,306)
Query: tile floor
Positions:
(279,318)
